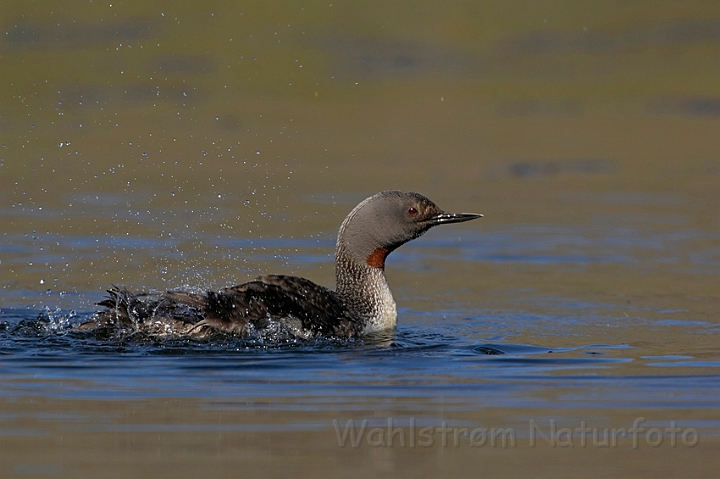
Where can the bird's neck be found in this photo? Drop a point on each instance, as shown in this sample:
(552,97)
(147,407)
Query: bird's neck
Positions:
(364,289)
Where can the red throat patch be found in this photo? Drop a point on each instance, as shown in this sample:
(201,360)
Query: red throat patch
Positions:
(377,258)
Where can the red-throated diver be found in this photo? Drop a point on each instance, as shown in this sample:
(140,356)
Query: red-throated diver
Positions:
(296,307)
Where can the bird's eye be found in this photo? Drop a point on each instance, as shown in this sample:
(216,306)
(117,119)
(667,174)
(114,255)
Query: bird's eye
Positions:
(412,211)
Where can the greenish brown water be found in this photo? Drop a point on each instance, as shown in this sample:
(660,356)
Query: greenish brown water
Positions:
(157,145)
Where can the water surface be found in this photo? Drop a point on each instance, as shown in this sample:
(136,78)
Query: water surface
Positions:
(572,330)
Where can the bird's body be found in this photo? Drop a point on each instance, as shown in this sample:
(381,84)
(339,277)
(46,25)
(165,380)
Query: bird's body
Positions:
(290,306)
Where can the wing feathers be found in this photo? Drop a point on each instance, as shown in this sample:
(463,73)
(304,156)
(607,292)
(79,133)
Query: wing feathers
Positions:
(257,303)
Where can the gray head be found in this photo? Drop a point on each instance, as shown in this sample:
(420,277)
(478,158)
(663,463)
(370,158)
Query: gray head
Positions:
(387,220)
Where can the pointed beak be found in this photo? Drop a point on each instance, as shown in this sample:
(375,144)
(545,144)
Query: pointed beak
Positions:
(447,218)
